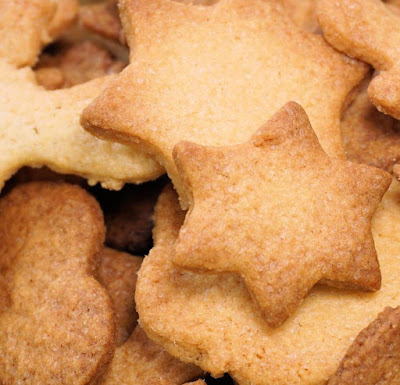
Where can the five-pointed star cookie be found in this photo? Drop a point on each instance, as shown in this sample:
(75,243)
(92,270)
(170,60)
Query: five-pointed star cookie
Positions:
(39,127)
(370,31)
(279,212)
(211,74)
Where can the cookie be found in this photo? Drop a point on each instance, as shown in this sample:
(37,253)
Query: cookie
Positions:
(212,321)
(374,357)
(137,360)
(117,272)
(28,25)
(24,29)
(65,15)
(303,13)
(129,216)
(41,127)
(103,19)
(75,64)
(56,322)
(306,221)
(370,136)
(187,79)
(369,31)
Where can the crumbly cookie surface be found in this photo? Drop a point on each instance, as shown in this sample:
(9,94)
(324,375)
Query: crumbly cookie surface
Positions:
(56,324)
(244,218)
(42,127)
(175,309)
(212,74)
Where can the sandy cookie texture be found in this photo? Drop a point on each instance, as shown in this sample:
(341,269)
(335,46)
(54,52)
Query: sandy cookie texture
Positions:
(137,360)
(175,308)
(281,240)
(370,136)
(28,25)
(187,79)
(370,31)
(56,321)
(374,357)
(40,127)
(303,13)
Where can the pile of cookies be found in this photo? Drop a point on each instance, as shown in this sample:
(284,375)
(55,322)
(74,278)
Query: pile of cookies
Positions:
(271,246)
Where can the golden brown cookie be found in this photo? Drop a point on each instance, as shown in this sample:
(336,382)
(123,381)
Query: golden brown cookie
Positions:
(212,74)
(76,64)
(211,320)
(370,136)
(283,223)
(369,31)
(117,272)
(41,127)
(374,357)
(58,324)
(396,171)
(137,360)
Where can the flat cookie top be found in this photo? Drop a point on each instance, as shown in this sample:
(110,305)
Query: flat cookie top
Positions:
(40,127)
(212,74)
(368,30)
(28,25)
(211,319)
(56,322)
(279,212)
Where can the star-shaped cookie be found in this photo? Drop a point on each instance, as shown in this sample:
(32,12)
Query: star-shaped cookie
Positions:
(40,127)
(211,320)
(279,212)
(211,74)
(368,30)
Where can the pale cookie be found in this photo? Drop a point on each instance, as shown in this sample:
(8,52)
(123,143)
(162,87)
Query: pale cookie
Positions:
(40,127)
(370,31)
(66,14)
(211,320)
(374,357)
(370,136)
(303,13)
(56,322)
(137,360)
(24,29)
(212,74)
(279,212)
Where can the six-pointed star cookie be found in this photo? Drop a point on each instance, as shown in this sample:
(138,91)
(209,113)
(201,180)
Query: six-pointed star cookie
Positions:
(39,127)
(279,212)
(211,320)
(211,74)
(370,31)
